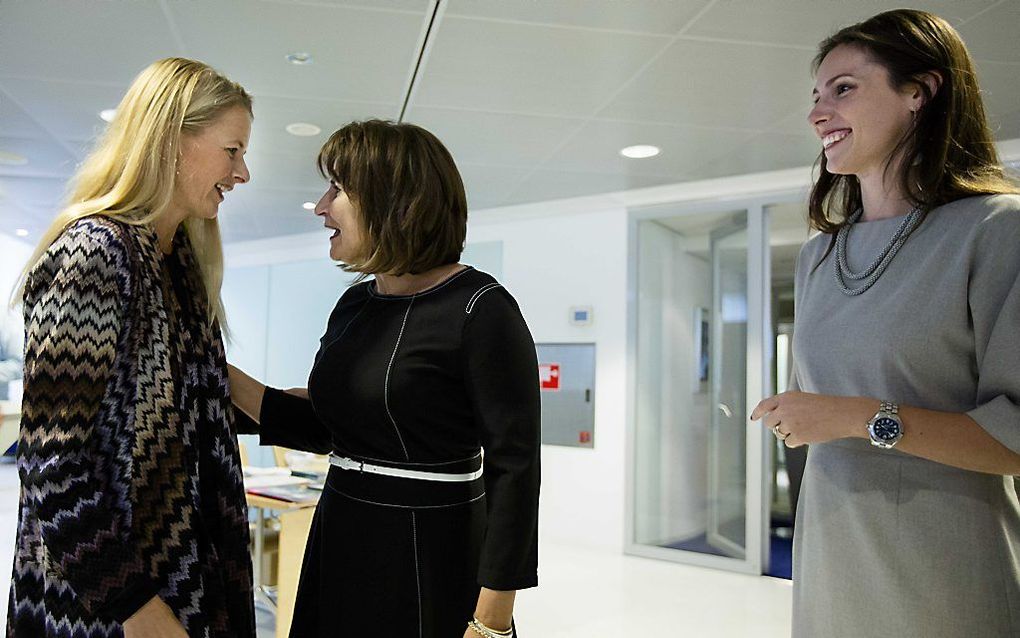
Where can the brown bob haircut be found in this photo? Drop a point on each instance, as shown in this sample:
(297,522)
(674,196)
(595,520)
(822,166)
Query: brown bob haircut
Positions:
(407,190)
(949,147)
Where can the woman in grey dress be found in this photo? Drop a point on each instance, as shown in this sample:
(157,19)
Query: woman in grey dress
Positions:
(907,343)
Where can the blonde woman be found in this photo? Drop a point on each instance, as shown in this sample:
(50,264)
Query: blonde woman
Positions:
(132,518)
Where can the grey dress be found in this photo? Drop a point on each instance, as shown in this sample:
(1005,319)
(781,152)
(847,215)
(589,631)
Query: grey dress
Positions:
(889,544)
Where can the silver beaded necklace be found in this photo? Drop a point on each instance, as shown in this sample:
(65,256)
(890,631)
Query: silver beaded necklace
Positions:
(870,275)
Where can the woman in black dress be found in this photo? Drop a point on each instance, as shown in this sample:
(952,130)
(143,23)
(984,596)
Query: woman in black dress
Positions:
(420,369)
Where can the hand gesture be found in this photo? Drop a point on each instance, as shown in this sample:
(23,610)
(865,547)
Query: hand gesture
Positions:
(801,418)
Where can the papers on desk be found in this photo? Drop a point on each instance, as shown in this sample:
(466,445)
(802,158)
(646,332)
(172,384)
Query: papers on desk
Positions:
(290,493)
(278,483)
(259,477)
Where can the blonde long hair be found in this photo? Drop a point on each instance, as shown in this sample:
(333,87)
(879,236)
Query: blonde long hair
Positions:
(130,174)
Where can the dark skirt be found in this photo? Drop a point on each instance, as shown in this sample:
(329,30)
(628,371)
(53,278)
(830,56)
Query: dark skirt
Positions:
(391,557)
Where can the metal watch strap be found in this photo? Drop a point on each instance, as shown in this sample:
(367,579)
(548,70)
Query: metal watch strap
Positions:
(890,407)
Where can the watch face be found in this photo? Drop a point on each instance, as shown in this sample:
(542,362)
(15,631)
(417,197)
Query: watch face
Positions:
(886,429)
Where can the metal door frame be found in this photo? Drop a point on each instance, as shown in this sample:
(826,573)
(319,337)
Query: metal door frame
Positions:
(759,376)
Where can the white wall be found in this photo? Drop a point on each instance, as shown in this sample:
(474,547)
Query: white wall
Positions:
(14,254)
(549,265)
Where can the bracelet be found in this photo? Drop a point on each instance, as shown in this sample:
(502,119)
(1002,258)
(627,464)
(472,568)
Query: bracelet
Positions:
(481,629)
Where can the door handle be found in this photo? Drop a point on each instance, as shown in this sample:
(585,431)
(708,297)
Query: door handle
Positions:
(725,409)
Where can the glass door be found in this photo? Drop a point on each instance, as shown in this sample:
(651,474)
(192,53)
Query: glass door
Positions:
(727,451)
(697,486)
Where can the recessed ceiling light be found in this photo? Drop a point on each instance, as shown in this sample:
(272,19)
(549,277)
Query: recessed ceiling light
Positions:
(12,159)
(107,115)
(640,151)
(303,129)
(299,58)
(21,232)
(308,206)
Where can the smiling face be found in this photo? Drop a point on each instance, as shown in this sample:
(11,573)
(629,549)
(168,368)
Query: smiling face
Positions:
(858,115)
(211,164)
(340,214)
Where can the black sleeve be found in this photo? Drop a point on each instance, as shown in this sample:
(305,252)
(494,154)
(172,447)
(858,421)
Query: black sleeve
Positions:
(244,424)
(501,373)
(289,421)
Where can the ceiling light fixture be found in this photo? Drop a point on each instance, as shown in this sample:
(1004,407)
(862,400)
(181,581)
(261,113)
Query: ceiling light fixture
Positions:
(107,115)
(299,58)
(640,151)
(21,232)
(308,206)
(12,159)
(303,129)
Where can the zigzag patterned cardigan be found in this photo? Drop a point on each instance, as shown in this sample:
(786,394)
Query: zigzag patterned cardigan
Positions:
(130,472)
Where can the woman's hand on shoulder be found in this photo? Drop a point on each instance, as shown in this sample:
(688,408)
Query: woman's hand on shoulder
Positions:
(154,620)
(804,418)
(246,392)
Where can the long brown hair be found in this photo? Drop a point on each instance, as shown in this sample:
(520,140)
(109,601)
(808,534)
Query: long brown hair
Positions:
(949,147)
(408,193)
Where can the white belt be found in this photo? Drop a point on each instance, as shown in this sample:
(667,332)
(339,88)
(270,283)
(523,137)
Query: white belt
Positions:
(345,463)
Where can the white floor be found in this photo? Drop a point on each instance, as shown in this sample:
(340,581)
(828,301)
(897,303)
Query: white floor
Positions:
(585,593)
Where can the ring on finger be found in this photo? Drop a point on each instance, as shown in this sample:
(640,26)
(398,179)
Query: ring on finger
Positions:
(779,434)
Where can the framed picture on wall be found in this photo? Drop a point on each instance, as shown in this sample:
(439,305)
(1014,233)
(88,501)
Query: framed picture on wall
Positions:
(702,356)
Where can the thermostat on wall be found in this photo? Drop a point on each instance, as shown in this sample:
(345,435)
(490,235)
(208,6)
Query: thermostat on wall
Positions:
(581,315)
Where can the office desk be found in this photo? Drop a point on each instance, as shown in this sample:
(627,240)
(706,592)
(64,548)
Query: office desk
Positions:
(10,421)
(295,522)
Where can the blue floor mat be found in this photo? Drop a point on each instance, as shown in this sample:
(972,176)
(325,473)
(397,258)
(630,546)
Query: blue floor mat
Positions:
(781,553)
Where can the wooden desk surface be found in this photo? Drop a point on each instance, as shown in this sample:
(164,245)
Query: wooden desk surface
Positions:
(295,522)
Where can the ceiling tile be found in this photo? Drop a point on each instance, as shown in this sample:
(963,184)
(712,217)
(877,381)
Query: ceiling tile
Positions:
(273,114)
(494,138)
(513,89)
(646,16)
(358,54)
(531,69)
(999,85)
(717,84)
(796,123)
(45,158)
(807,22)
(547,184)
(83,41)
(1006,126)
(68,110)
(295,171)
(13,217)
(16,122)
(489,186)
(250,206)
(993,34)
(388,5)
(596,148)
(33,192)
(765,152)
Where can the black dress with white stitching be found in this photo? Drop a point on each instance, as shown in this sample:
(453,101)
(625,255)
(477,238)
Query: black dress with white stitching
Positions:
(419,382)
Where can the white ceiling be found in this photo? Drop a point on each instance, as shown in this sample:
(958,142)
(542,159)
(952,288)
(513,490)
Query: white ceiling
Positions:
(534,97)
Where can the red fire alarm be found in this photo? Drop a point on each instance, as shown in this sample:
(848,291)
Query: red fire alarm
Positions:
(584,436)
(549,376)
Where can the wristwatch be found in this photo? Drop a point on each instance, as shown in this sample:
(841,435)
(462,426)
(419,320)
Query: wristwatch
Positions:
(885,428)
